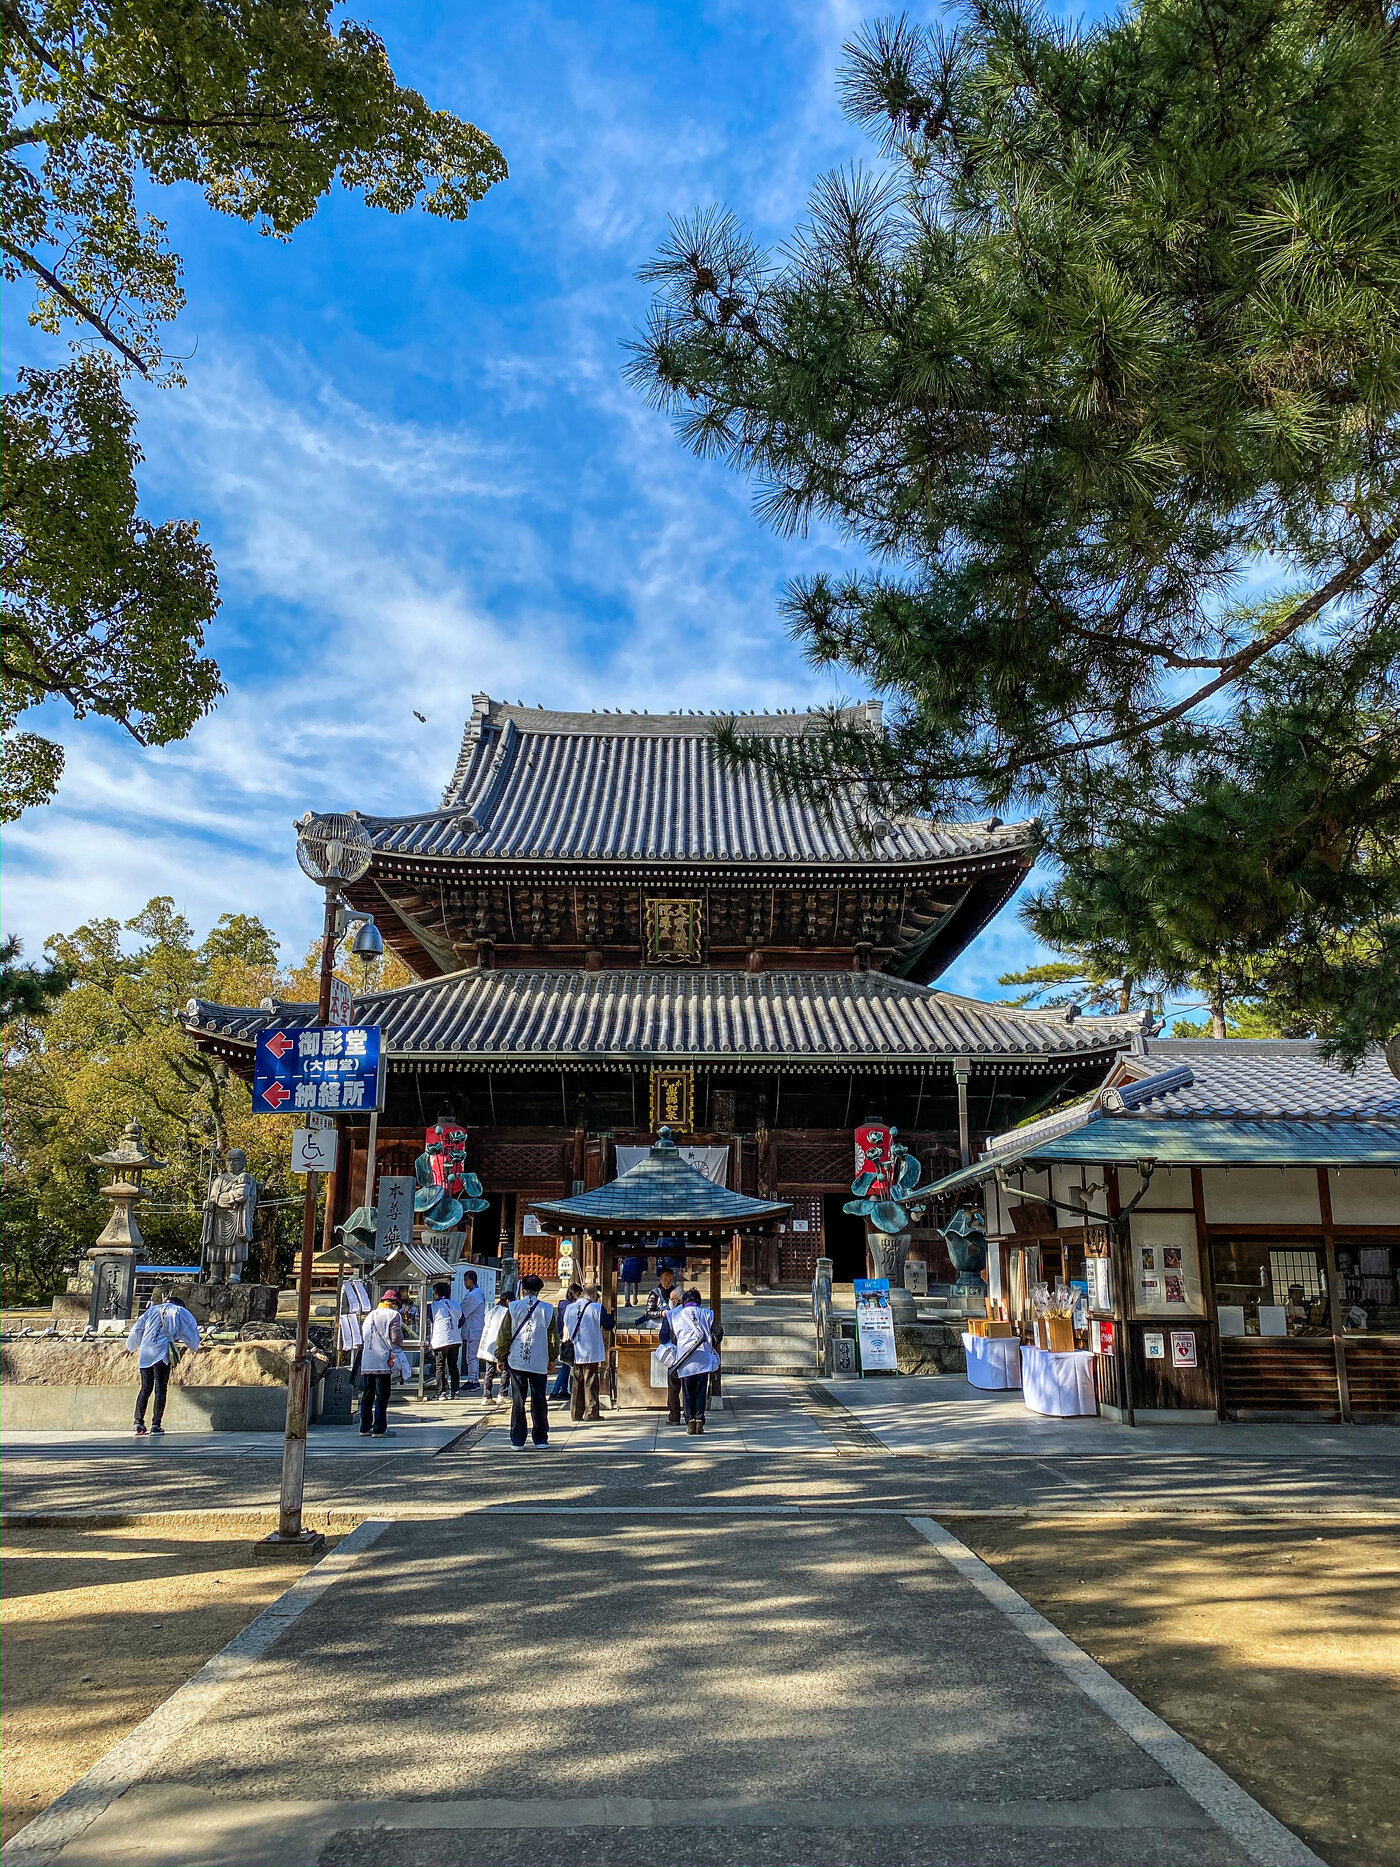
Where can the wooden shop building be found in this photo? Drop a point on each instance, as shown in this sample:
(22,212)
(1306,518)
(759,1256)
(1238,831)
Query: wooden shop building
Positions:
(1232,1208)
(610,931)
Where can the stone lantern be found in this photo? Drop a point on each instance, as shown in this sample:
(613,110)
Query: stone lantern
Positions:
(113,1257)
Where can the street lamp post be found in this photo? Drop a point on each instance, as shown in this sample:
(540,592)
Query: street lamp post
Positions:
(335,852)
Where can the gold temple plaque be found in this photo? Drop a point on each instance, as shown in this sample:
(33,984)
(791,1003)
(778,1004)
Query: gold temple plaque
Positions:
(673,931)
(673,1100)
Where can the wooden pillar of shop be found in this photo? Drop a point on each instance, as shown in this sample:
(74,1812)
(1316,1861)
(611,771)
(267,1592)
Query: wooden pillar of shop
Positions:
(1206,1260)
(1334,1300)
(1120,1259)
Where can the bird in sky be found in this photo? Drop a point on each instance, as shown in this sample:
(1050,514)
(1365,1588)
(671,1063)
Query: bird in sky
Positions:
(422,718)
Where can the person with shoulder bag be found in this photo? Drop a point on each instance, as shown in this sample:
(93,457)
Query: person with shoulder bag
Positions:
(158,1337)
(691,1328)
(528,1343)
(586,1349)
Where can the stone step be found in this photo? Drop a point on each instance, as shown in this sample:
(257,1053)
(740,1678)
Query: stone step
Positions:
(788,1329)
(767,1364)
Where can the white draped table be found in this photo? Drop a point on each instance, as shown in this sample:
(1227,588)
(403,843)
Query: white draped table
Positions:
(992,1361)
(1059,1385)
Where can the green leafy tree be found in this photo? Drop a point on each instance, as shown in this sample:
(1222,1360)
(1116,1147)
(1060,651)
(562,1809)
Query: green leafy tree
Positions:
(1116,324)
(264,106)
(25,990)
(100,607)
(111,1049)
(1257,862)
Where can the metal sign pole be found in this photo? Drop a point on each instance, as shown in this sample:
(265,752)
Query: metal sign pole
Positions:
(289,1529)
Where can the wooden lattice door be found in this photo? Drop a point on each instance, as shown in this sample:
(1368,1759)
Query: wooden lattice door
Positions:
(800,1241)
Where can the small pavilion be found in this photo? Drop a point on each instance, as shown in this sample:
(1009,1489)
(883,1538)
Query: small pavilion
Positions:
(662,1196)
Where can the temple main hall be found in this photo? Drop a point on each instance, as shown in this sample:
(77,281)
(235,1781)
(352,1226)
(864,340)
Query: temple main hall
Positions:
(608,929)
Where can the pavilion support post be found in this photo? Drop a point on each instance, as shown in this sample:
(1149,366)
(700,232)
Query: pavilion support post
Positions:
(715,1248)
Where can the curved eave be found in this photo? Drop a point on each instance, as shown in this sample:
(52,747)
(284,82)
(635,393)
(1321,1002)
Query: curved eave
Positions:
(966,868)
(236,1050)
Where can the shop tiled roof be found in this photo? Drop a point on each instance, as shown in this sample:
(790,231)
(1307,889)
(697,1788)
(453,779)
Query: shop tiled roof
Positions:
(578,1019)
(1284,1079)
(648,787)
(661,1192)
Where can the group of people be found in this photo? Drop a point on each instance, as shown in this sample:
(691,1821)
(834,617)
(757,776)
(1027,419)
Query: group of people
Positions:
(526,1336)
(517,1339)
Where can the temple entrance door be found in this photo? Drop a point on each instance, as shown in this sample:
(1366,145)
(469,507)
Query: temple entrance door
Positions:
(845,1239)
(800,1241)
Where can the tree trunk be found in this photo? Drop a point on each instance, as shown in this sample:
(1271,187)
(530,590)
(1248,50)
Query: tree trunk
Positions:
(1217,1009)
(1125,996)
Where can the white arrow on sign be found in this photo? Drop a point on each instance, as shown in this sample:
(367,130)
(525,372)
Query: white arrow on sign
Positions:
(313,1150)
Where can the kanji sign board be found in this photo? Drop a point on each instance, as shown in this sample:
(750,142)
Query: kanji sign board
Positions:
(330,1067)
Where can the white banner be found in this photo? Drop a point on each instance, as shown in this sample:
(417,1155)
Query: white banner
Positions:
(713,1162)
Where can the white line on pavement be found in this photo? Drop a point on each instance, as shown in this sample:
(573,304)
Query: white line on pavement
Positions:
(1264,1839)
(36,1844)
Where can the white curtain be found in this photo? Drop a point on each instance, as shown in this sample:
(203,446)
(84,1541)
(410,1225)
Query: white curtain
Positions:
(713,1162)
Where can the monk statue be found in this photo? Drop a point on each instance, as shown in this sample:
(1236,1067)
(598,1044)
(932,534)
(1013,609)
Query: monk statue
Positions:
(227,1231)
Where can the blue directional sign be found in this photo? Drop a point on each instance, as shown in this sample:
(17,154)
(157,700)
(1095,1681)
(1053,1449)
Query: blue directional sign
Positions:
(326,1067)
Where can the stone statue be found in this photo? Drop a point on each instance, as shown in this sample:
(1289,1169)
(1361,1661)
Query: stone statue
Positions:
(227,1231)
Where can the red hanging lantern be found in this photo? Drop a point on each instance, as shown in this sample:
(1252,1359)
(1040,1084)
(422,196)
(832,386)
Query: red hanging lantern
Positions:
(874,1153)
(450,1165)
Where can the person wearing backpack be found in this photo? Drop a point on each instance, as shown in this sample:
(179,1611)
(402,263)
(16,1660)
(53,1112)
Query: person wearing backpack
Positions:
(528,1344)
(691,1329)
(586,1352)
(160,1333)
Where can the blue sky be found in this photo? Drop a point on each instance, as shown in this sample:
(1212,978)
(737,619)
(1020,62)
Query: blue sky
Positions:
(412,450)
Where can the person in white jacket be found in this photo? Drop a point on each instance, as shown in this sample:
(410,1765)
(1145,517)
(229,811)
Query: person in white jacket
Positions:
(160,1331)
(473,1320)
(380,1344)
(445,1340)
(695,1336)
(493,1364)
(583,1325)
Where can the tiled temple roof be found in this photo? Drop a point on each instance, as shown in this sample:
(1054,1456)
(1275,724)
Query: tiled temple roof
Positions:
(794,1019)
(647,787)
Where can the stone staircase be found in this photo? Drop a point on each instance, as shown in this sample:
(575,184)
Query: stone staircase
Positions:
(769,1335)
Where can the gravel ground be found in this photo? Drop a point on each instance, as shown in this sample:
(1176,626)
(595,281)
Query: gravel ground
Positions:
(97,1628)
(1275,1650)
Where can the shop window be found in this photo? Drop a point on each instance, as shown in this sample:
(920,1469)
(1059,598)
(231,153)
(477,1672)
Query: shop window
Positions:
(1269,1289)
(1370,1293)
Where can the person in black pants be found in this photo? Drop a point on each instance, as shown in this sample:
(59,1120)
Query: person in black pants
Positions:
(382,1340)
(528,1343)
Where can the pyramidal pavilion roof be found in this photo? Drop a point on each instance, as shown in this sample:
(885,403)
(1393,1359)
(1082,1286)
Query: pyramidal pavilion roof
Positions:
(649,787)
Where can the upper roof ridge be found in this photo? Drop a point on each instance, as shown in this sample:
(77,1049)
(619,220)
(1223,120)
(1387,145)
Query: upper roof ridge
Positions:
(685,722)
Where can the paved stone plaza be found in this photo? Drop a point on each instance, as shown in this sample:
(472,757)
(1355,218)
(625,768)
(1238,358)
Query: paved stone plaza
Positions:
(635,1647)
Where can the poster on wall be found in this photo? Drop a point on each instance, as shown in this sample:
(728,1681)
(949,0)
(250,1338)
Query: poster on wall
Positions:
(1098,1274)
(1166,1265)
(875,1326)
(1154,1345)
